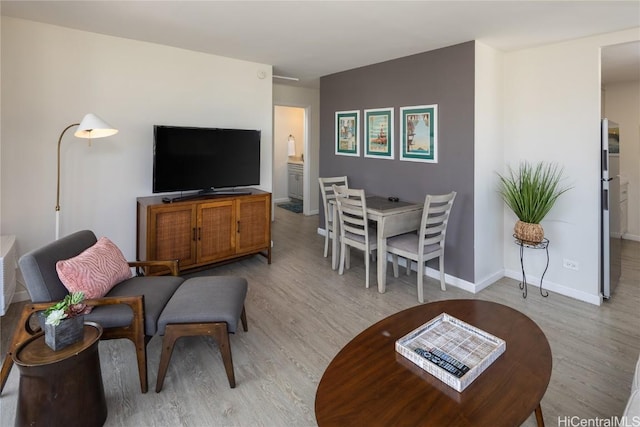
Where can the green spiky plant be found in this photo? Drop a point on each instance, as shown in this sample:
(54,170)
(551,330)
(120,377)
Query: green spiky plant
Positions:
(532,190)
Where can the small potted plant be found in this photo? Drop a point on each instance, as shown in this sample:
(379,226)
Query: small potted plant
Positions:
(64,321)
(530,192)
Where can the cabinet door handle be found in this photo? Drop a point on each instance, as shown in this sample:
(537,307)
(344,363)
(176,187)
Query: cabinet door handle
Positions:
(199,233)
(194,234)
(237,226)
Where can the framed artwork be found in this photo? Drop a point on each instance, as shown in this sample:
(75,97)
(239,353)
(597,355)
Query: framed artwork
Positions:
(419,133)
(347,133)
(378,133)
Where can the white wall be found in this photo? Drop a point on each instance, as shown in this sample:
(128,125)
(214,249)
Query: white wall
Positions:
(552,112)
(310,100)
(489,159)
(622,105)
(52,76)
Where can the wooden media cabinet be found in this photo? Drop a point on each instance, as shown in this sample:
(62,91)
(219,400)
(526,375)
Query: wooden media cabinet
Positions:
(205,230)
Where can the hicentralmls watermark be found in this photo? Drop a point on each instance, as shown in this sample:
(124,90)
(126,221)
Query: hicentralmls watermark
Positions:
(575,421)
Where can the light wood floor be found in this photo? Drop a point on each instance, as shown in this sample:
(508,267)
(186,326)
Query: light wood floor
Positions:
(301,313)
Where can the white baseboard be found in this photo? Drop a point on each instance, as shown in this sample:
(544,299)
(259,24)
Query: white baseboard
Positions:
(512,274)
(489,280)
(555,287)
(633,237)
(451,280)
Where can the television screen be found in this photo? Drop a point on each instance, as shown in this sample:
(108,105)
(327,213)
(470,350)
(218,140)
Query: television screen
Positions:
(191,158)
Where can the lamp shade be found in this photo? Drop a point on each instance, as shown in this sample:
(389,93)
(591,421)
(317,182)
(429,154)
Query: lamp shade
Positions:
(291,147)
(93,126)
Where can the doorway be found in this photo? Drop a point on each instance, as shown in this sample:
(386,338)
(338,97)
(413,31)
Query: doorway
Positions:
(620,101)
(289,165)
(620,96)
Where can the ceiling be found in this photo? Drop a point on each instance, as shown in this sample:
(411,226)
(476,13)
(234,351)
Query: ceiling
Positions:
(309,39)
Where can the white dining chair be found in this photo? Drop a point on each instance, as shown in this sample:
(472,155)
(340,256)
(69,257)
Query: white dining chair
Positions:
(428,242)
(326,188)
(354,227)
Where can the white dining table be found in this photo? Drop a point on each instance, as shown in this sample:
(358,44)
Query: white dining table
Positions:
(392,218)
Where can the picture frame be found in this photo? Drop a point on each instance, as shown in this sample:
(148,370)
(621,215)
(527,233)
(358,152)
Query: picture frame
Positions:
(347,133)
(419,133)
(378,133)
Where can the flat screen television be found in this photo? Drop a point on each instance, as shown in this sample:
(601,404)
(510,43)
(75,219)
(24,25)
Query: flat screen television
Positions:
(206,159)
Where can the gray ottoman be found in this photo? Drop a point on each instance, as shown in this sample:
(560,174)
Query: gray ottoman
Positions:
(203,306)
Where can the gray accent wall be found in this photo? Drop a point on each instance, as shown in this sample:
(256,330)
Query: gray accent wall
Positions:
(444,77)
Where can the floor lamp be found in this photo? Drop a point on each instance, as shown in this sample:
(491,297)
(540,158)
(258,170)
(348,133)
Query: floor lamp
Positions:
(90,127)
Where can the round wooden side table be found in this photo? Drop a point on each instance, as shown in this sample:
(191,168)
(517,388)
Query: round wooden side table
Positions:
(62,387)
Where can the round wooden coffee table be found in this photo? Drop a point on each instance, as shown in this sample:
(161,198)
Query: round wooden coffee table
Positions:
(369,383)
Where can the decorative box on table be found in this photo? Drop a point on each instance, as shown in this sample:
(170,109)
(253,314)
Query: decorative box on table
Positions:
(451,350)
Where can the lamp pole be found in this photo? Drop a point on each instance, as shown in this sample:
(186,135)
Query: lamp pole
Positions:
(91,126)
(58,182)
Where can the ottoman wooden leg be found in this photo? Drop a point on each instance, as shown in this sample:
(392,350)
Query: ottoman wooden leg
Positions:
(243,318)
(220,334)
(217,331)
(171,335)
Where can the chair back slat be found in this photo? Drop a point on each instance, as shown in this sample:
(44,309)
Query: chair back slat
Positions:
(433,239)
(438,210)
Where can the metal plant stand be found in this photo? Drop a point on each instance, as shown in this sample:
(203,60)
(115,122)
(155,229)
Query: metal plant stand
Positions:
(542,245)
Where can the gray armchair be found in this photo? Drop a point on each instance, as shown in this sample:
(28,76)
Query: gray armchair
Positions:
(129,310)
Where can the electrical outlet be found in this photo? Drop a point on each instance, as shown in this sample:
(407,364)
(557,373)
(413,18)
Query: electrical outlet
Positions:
(570,264)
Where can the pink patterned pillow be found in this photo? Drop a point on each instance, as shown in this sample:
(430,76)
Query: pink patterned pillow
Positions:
(95,271)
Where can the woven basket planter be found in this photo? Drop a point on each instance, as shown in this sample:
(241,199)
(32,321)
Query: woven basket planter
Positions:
(528,233)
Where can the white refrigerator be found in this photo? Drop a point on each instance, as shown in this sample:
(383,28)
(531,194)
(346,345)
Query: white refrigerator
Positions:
(610,231)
